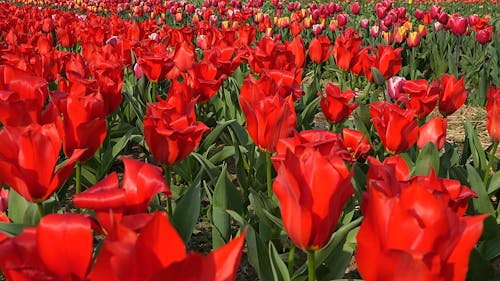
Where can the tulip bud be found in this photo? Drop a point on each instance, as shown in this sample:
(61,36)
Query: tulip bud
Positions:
(413,39)
(355,8)
(484,36)
(364,23)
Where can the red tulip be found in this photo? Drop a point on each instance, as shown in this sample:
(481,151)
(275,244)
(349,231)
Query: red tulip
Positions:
(59,248)
(387,176)
(433,131)
(335,105)
(24,94)
(327,142)
(484,36)
(355,8)
(423,97)
(269,116)
(184,56)
(23,150)
(396,127)
(493,112)
(452,95)
(155,251)
(435,11)
(170,127)
(356,143)
(155,63)
(84,123)
(320,49)
(312,189)
(345,48)
(416,231)
(389,61)
(458,25)
(419,14)
(140,183)
(204,81)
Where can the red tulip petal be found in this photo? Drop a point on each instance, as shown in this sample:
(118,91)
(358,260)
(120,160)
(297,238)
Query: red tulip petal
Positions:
(65,244)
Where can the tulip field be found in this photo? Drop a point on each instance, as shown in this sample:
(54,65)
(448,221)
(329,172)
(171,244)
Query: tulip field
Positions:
(251,140)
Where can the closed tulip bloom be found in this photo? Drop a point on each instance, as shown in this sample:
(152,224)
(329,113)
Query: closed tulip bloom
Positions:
(170,127)
(414,232)
(28,160)
(458,25)
(452,95)
(312,189)
(337,105)
(59,248)
(83,123)
(320,49)
(355,8)
(395,86)
(269,116)
(413,39)
(389,61)
(484,36)
(345,48)
(433,131)
(396,127)
(493,112)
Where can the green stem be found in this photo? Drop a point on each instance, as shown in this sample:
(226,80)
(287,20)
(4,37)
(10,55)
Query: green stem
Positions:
(154,89)
(268,174)
(40,209)
(342,80)
(490,162)
(168,181)
(291,259)
(78,177)
(412,65)
(310,265)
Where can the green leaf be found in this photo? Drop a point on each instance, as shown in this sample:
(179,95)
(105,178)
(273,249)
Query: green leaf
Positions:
(214,134)
(494,183)
(479,267)
(258,255)
(187,211)
(427,158)
(11,229)
(22,211)
(113,151)
(308,114)
(482,204)
(334,266)
(478,155)
(280,271)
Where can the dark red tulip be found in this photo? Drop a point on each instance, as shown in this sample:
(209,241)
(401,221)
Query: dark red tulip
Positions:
(419,14)
(433,131)
(416,229)
(355,8)
(269,116)
(435,11)
(312,189)
(59,248)
(452,95)
(458,25)
(320,49)
(396,127)
(140,183)
(23,150)
(170,127)
(493,112)
(484,36)
(336,105)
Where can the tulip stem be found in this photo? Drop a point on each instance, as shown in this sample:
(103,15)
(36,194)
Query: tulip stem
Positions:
(78,177)
(268,174)
(154,87)
(490,162)
(169,199)
(40,209)
(291,259)
(310,265)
